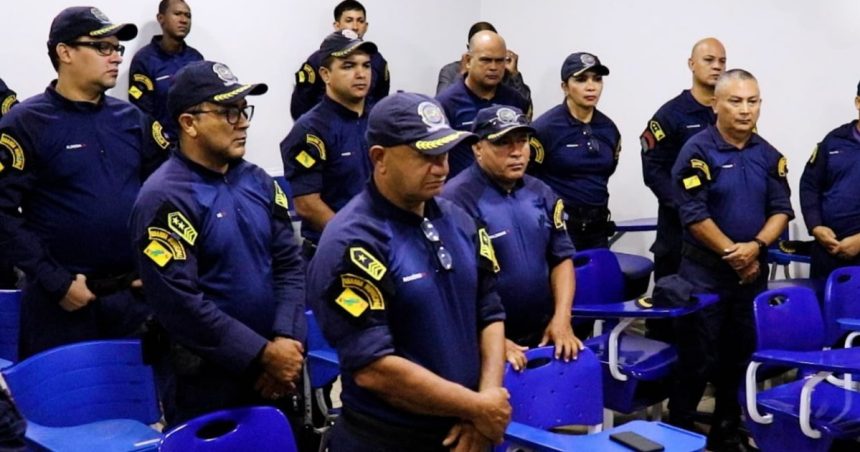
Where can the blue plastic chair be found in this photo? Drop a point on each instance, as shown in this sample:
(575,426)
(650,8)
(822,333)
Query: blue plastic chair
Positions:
(637,273)
(841,301)
(551,393)
(10,321)
(87,396)
(260,428)
(321,369)
(790,333)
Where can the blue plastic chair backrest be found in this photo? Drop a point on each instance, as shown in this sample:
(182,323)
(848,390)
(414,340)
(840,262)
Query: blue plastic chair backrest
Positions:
(10,324)
(85,382)
(260,428)
(788,319)
(551,392)
(316,340)
(841,300)
(598,277)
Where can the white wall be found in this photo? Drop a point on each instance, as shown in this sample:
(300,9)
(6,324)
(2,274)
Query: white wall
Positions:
(804,54)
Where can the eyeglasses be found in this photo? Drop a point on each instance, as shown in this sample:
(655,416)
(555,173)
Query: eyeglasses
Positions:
(442,255)
(231,113)
(593,144)
(104,48)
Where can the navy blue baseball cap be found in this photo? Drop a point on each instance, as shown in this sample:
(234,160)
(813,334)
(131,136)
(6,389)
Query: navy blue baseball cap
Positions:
(341,43)
(492,123)
(89,21)
(580,62)
(416,120)
(207,81)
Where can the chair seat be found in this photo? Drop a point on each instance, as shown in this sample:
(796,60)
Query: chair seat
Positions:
(634,266)
(834,410)
(104,436)
(672,438)
(640,357)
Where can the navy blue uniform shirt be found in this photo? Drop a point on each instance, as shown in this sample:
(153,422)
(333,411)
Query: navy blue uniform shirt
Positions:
(830,185)
(218,259)
(575,159)
(8,98)
(310,89)
(150,75)
(326,152)
(378,288)
(461,106)
(739,189)
(74,168)
(529,237)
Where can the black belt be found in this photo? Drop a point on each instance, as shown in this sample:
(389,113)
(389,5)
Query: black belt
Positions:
(589,219)
(103,286)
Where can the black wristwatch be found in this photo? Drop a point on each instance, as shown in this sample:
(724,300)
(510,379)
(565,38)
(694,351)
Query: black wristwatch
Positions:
(761,245)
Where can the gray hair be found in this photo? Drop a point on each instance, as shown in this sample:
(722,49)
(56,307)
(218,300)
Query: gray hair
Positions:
(732,74)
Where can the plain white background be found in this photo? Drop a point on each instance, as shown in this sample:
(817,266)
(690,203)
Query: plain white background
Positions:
(804,54)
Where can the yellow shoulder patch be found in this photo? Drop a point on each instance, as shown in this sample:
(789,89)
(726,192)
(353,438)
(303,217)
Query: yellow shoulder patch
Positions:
(306,74)
(367,262)
(364,287)
(281,197)
(537,147)
(692,182)
(700,164)
(558,215)
(486,248)
(351,302)
(317,143)
(158,135)
(7,104)
(135,92)
(15,150)
(144,80)
(158,253)
(782,167)
(655,128)
(305,159)
(814,154)
(166,239)
(180,225)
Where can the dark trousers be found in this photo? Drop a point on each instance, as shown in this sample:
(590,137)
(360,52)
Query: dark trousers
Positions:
(12,425)
(667,260)
(714,344)
(823,263)
(45,325)
(365,435)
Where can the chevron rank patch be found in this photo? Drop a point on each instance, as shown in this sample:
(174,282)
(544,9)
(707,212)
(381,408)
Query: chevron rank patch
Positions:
(655,129)
(180,225)
(368,263)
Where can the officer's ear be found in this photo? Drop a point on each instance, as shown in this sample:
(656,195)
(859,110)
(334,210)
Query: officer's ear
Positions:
(64,54)
(857,103)
(478,150)
(325,74)
(186,124)
(690,63)
(377,153)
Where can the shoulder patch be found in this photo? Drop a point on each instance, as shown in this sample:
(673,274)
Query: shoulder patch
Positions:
(558,215)
(306,74)
(692,182)
(180,225)
(143,80)
(168,240)
(537,147)
(782,167)
(281,197)
(7,104)
(15,150)
(657,130)
(135,92)
(387,73)
(305,159)
(367,262)
(814,155)
(317,143)
(486,248)
(352,303)
(701,165)
(157,253)
(158,135)
(364,287)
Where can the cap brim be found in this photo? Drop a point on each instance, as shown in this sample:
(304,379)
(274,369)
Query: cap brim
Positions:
(597,69)
(443,141)
(498,135)
(123,32)
(364,46)
(254,89)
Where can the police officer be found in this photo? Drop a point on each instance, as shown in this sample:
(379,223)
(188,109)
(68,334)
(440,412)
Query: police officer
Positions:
(455,70)
(214,243)
(481,88)
(8,99)
(325,154)
(309,89)
(576,149)
(74,159)
(829,198)
(155,64)
(402,285)
(733,199)
(525,221)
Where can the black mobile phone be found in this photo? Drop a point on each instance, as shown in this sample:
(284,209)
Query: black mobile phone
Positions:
(636,442)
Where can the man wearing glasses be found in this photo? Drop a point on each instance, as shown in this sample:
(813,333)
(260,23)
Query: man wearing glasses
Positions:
(325,154)
(402,286)
(216,251)
(525,221)
(73,160)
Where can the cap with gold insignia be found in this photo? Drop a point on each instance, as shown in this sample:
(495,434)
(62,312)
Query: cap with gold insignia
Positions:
(78,21)
(580,62)
(416,120)
(341,43)
(207,81)
(493,123)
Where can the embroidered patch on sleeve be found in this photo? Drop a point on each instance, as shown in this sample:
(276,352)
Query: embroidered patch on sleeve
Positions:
(177,223)
(15,150)
(158,135)
(351,302)
(655,128)
(537,147)
(366,288)
(558,215)
(368,263)
(692,182)
(486,249)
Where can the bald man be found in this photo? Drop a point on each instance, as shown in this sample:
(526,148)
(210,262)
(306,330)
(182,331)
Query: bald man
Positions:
(724,250)
(481,88)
